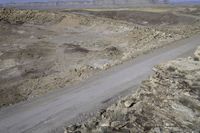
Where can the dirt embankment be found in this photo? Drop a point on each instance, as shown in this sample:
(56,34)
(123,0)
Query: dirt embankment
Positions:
(11,16)
(42,51)
(191,11)
(169,101)
(145,18)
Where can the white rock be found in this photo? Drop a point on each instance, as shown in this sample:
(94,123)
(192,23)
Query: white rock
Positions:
(128,103)
(105,124)
(21,31)
(115,123)
(197,53)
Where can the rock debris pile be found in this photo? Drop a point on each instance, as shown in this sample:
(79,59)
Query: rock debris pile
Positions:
(169,101)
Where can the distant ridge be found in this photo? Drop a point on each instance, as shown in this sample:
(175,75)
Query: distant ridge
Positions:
(55,4)
(61,4)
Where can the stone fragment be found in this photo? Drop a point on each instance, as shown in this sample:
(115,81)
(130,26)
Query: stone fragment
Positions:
(115,123)
(104,130)
(128,103)
(105,123)
(72,127)
(197,54)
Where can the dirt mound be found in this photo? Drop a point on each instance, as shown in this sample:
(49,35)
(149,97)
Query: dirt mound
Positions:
(167,102)
(191,11)
(14,16)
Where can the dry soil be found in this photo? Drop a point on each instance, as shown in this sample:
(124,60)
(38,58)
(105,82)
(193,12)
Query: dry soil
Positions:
(41,51)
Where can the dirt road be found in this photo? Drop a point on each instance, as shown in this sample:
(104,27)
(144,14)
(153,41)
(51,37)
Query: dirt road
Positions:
(53,110)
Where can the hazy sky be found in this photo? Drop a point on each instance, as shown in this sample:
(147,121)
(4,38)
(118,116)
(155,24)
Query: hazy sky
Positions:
(175,1)
(7,1)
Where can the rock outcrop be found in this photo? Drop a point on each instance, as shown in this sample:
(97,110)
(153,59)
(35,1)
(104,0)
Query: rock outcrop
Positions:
(169,101)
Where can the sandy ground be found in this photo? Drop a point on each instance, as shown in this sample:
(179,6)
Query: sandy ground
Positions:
(42,51)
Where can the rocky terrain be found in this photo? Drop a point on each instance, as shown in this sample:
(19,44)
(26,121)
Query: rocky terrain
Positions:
(169,101)
(41,51)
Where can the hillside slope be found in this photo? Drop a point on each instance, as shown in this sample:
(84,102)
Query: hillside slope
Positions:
(169,101)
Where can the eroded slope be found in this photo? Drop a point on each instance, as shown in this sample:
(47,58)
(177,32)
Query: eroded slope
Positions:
(169,101)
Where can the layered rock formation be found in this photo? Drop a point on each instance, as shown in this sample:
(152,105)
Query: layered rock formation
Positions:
(169,101)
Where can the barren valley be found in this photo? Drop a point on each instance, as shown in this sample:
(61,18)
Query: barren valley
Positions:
(42,51)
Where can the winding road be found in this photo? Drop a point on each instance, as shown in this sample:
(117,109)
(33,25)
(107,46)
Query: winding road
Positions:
(45,114)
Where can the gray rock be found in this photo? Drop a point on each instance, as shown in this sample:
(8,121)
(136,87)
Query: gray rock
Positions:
(72,127)
(157,130)
(104,130)
(115,123)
